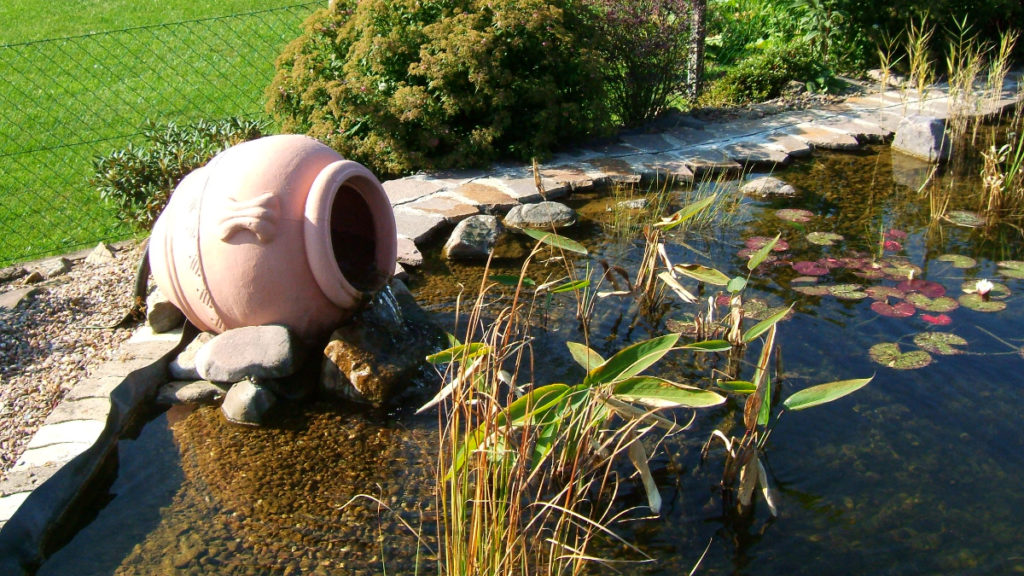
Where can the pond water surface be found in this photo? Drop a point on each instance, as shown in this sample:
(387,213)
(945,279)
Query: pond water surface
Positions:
(917,473)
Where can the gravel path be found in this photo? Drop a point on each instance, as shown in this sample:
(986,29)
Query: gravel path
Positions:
(53,339)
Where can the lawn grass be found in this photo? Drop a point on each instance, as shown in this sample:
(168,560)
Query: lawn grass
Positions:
(65,101)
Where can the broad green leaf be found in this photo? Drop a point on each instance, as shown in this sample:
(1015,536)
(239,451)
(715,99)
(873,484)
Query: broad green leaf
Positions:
(709,346)
(532,406)
(584,356)
(823,393)
(738,386)
(758,257)
(571,286)
(660,393)
(685,213)
(552,239)
(631,360)
(737,284)
(461,352)
(763,326)
(465,448)
(702,274)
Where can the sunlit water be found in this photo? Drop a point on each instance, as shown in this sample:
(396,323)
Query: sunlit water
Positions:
(918,473)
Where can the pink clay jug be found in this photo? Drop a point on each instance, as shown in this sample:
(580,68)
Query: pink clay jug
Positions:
(279,230)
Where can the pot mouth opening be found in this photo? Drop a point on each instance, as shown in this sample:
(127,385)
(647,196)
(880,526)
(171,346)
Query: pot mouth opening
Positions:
(354,240)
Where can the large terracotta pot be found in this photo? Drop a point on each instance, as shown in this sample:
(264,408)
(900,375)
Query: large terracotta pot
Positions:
(280,230)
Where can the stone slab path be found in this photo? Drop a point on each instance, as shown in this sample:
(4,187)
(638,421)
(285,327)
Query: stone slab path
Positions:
(78,435)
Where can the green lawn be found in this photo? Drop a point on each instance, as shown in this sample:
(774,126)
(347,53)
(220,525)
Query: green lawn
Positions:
(64,102)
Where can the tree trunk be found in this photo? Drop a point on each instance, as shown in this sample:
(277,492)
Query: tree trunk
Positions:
(698,34)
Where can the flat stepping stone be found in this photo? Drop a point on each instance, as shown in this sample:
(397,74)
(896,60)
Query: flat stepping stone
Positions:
(408,253)
(451,209)
(710,163)
(668,165)
(416,225)
(405,190)
(757,155)
(865,132)
(795,147)
(489,197)
(825,138)
(575,178)
(648,143)
(615,170)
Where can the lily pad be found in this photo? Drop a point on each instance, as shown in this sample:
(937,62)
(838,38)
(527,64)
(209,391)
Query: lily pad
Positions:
(897,310)
(807,268)
(941,343)
(884,292)
(1011,268)
(937,320)
(812,290)
(889,354)
(958,261)
(824,238)
(895,234)
(965,218)
(892,246)
(940,304)
(830,263)
(900,270)
(998,291)
(929,289)
(847,291)
(794,215)
(978,303)
(870,274)
(758,242)
(804,280)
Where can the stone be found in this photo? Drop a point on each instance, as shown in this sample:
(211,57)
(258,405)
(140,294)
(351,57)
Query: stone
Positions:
(417,226)
(377,356)
(922,137)
(826,138)
(910,171)
(183,366)
(162,315)
(191,392)
(634,204)
(11,273)
(757,155)
(768,187)
(33,277)
(408,253)
(247,402)
(451,209)
(55,267)
(473,238)
(543,215)
(270,351)
(101,254)
(490,198)
(12,299)
(409,189)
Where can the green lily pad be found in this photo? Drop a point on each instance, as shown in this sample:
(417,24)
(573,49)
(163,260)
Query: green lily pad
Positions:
(812,290)
(889,354)
(794,215)
(847,291)
(958,261)
(998,291)
(941,343)
(980,304)
(884,292)
(824,238)
(901,271)
(804,280)
(965,218)
(1011,268)
(940,304)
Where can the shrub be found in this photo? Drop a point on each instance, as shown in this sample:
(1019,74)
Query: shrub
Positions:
(646,44)
(404,85)
(763,75)
(139,180)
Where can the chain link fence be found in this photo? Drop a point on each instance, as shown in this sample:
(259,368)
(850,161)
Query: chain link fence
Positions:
(66,101)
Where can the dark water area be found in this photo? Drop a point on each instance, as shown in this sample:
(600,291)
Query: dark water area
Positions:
(917,473)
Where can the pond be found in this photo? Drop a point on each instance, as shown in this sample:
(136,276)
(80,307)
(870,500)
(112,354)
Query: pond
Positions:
(917,473)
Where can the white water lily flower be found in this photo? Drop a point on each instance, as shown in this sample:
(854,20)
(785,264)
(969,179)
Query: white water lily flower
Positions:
(983,287)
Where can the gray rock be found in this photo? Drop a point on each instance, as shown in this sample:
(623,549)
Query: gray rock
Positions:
(473,238)
(55,267)
(541,215)
(162,315)
(634,204)
(247,402)
(12,299)
(253,351)
(34,277)
(910,171)
(191,392)
(377,356)
(183,367)
(408,253)
(12,273)
(923,137)
(101,254)
(768,187)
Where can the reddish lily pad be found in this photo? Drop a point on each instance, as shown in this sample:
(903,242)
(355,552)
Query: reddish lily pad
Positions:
(892,246)
(958,261)
(965,218)
(940,304)
(807,268)
(1011,268)
(894,234)
(938,320)
(897,310)
(889,354)
(998,291)
(812,290)
(929,289)
(884,292)
(847,291)
(830,263)
(794,215)
(745,253)
(979,303)
(758,242)
(824,238)
(941,343)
